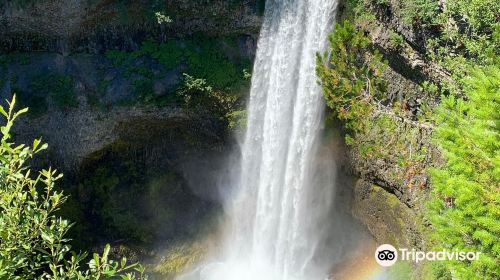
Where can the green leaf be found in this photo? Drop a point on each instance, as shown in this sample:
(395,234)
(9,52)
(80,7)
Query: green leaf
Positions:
(47,237)
(2,111)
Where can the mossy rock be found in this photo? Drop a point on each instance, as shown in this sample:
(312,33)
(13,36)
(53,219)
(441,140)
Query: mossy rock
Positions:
(387,218)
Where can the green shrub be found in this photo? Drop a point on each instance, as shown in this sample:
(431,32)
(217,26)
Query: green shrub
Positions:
(199,95)
(352,76)
(465,207)
(204,58)
(396,40)
(420,11)
(34,243)
(479,29)
(143,89)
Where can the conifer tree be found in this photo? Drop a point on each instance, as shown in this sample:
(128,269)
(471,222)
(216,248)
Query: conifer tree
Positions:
(465,211)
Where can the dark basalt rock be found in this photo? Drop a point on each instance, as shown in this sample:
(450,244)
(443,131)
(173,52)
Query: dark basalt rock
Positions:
(95,26)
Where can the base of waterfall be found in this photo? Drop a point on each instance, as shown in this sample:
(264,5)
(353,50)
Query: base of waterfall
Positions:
(235,270)
(358,264)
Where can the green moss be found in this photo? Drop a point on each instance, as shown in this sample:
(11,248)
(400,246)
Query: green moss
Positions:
(206,58)
(143,89)
(169,54)
(56,86)
(393,201)
(180,258)
(203,55)
(119,57)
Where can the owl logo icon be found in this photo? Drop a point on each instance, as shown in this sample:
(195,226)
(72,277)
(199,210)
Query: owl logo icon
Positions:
(386,255)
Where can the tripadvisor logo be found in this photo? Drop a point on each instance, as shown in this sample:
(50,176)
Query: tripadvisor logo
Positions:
(387,255)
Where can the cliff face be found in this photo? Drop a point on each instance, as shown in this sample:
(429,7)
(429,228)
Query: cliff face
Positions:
(103,81)
(126,96)
(85,67)
(96,26)
(392,156)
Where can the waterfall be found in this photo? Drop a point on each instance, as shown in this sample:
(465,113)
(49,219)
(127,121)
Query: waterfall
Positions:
(280,215)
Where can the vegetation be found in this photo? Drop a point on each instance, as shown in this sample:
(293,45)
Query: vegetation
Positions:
(353,87)
(203,55)
(463,37)
(470,32)
(196,93)
(47,86)
(396,40)
(33,238)
(59,87)
(119,197)
(212,81)
(419,11)
(466,199)
(41,86)
(401,270)
(352,77)
(180,258)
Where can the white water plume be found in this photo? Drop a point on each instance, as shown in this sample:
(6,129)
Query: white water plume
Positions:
(281,217)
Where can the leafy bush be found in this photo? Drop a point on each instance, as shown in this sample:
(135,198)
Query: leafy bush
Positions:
(198,94)
(420,11)
(465,208)
(396,40)
(476,27)
(33,238)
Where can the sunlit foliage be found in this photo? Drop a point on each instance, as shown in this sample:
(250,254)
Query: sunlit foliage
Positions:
(466,191)
(33,242)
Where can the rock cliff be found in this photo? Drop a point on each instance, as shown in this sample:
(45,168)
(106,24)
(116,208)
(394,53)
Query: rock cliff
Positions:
(72,40)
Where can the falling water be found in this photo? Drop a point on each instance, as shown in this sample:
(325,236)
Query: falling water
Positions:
(281,213)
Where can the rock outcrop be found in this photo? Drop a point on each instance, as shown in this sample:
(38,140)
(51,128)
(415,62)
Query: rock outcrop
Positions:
(96,26)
